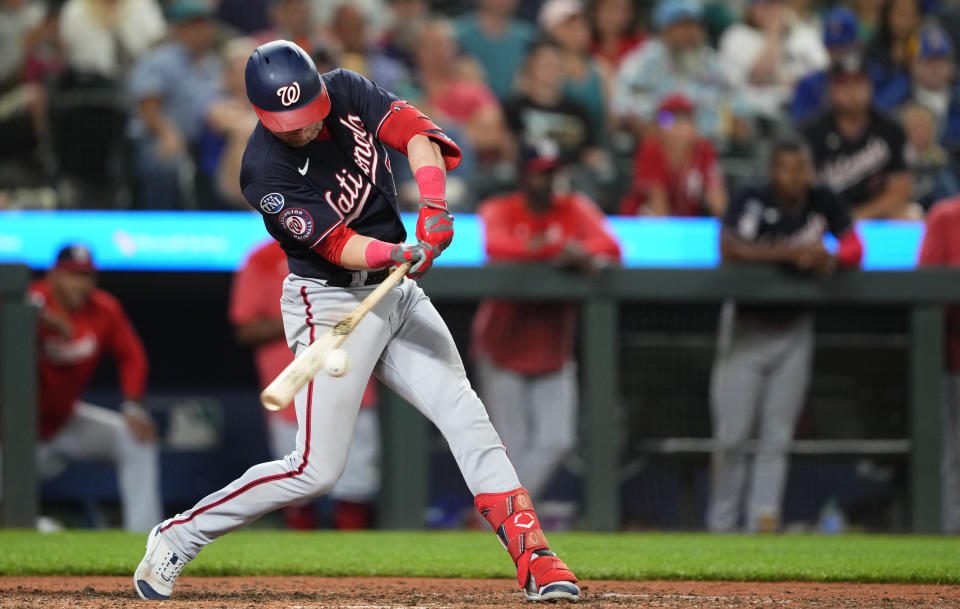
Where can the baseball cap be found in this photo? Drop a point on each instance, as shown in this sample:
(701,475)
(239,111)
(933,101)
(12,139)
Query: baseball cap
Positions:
(839,28)
(555,12)
(186,10)
(676,103)
(540,155)
(75,257)
(933,43)
(669,12)
(848,66)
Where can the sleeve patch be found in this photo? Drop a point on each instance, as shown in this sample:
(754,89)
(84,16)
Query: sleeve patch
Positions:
(271,203)
(298,223)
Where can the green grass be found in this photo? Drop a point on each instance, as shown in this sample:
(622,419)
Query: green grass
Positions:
(623,556)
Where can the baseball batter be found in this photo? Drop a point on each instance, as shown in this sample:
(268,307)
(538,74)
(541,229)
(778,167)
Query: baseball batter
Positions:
(316,167)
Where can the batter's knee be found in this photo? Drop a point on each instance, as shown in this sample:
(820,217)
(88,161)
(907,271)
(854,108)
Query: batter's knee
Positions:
(320,480)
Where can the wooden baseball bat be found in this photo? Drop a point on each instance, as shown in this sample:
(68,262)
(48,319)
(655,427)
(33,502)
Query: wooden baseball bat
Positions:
(298,373)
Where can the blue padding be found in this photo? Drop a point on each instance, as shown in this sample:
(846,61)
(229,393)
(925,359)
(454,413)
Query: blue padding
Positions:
(219,241)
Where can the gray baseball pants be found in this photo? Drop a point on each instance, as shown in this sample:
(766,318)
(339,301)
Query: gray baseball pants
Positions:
(535,415)
(759,382)
(405,343)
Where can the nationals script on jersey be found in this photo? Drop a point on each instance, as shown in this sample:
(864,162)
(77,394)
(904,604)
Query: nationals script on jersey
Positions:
(342,178)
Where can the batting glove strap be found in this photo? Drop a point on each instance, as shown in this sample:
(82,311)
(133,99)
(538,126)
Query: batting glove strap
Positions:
(547,569)
(433,203)
(435,226)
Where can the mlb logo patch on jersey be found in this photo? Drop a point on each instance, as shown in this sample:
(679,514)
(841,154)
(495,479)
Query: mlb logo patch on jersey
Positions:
(271,203)
(298,223)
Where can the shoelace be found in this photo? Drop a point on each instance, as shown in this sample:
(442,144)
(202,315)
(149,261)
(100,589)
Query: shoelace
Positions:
(172,564)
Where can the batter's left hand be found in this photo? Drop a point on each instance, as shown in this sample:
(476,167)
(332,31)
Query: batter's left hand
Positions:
(139,421)
(421,255)
(435,224)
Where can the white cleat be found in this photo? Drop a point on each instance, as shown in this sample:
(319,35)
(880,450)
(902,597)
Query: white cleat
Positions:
(158,571)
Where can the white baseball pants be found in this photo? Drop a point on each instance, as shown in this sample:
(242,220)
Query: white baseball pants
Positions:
(94,433)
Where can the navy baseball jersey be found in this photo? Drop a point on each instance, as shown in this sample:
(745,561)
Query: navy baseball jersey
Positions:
(340,179)
(754,215)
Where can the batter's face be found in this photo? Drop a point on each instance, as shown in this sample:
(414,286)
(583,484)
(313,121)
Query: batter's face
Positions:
(71,289)
(300,137)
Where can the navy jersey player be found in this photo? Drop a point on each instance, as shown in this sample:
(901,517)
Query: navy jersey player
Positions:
(316,168)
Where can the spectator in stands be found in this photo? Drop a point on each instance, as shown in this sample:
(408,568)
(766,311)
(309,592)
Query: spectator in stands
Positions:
(291,20)
(678,60)
(78,323)
(934,172)
(24,26)
(933,76)
(616,32)
(101,40)
(941,247)
(106,37)
(454,96)
(542,111)
(230,121)
(764,355)
(257,323)
(399,41)
(356,51)
(805,12)
(172,87)
(767,54)
(497,40)
(565,21)
(840,40)
(858,150)
(675,169)
(526,368)
(889,55)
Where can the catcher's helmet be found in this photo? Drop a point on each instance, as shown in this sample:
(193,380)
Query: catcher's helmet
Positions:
(284,87)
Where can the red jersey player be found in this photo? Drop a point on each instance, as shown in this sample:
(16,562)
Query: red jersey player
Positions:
(255,315)
(941,247)
(527,371)
(77,324)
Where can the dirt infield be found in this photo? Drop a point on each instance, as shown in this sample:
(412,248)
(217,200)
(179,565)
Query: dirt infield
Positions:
(395,593)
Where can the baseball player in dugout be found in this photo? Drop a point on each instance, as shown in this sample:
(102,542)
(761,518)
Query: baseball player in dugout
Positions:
(316,168)
(525,361)
(765,353)
(78,323)
(258,322)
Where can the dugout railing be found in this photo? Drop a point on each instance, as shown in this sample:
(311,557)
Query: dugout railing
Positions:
(406,470)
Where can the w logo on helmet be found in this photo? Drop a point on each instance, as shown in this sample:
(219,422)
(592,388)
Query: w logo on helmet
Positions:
(289,94)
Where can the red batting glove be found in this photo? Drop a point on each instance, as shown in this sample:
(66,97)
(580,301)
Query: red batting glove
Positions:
(435,224)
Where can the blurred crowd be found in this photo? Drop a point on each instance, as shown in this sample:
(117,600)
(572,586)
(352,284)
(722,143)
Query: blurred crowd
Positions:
(659,107)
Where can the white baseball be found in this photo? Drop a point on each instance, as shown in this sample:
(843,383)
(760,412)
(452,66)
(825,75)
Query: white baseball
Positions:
(336,362)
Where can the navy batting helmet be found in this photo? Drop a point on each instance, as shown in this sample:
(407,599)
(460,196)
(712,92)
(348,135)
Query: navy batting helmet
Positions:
(284,87)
